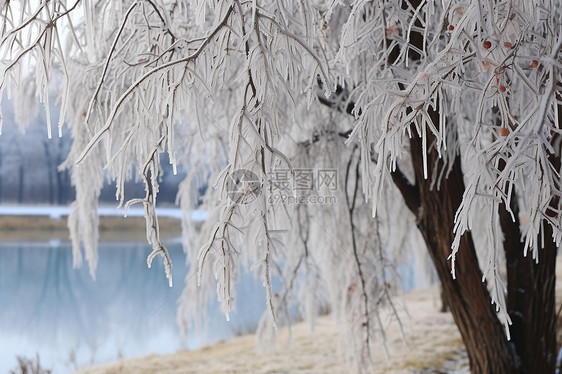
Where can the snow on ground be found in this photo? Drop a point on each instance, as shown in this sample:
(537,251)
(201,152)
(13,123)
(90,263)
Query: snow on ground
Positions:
(57,212)
(432,339)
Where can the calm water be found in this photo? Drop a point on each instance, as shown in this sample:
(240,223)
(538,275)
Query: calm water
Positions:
(47,307)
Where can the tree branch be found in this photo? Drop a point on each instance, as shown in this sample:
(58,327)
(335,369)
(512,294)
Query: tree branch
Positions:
(409,191)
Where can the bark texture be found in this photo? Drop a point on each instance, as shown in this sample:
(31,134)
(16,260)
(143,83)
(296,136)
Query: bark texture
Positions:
(531,286)
(531,300)
(468,298)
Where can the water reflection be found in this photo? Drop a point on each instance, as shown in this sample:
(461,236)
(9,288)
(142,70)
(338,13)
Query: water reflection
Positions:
(72,320)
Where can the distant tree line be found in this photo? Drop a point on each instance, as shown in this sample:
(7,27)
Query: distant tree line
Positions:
(30,171)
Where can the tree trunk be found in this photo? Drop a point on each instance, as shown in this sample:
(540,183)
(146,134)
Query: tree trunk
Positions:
(1,176)
(531,301)
(531,286)
(21,187)
(50,165)
(533,347)
(468,298)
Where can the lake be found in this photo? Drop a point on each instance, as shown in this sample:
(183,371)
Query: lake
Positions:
(71,321)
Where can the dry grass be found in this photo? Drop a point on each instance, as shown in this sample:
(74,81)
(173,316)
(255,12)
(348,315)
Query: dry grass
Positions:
(39,228)
(432,338)
(29,366)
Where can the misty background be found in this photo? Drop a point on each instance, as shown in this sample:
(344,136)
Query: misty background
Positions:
(29,164)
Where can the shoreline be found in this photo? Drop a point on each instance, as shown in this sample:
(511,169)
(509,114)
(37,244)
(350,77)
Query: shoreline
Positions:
(433,345)
(45,223)
(42,228)
(432,340)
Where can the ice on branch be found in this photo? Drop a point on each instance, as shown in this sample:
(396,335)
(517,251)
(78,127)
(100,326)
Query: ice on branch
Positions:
(402,98)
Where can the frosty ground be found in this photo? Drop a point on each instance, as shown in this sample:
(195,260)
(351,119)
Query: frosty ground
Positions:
(433,344)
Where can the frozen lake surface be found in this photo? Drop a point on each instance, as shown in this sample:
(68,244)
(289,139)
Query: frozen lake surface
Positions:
(47,307)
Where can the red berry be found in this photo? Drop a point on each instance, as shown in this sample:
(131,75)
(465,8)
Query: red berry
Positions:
(504,131)
(451,27)
(502,89)
(534,64)
(507,45)
(487,44)
(276,295)
(364,324)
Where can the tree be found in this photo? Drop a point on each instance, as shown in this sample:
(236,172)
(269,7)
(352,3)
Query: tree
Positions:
(452,105)
(28,168)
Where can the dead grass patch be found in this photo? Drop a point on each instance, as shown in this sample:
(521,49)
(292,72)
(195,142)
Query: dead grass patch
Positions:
(112,228)
(433,359)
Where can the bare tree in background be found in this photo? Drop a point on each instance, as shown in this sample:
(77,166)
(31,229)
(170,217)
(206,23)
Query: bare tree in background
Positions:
(29,164)
(453,105)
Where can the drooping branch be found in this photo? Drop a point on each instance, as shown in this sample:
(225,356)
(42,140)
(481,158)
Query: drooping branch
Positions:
(185,60)
(338,100)
(351,199)
(410,192)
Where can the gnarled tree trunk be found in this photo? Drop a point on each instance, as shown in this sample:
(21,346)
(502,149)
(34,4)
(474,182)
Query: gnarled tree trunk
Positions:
(467,297)
(531,285)
(530,299)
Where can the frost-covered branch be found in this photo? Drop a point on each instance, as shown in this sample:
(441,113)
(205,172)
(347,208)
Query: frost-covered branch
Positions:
(237,92)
